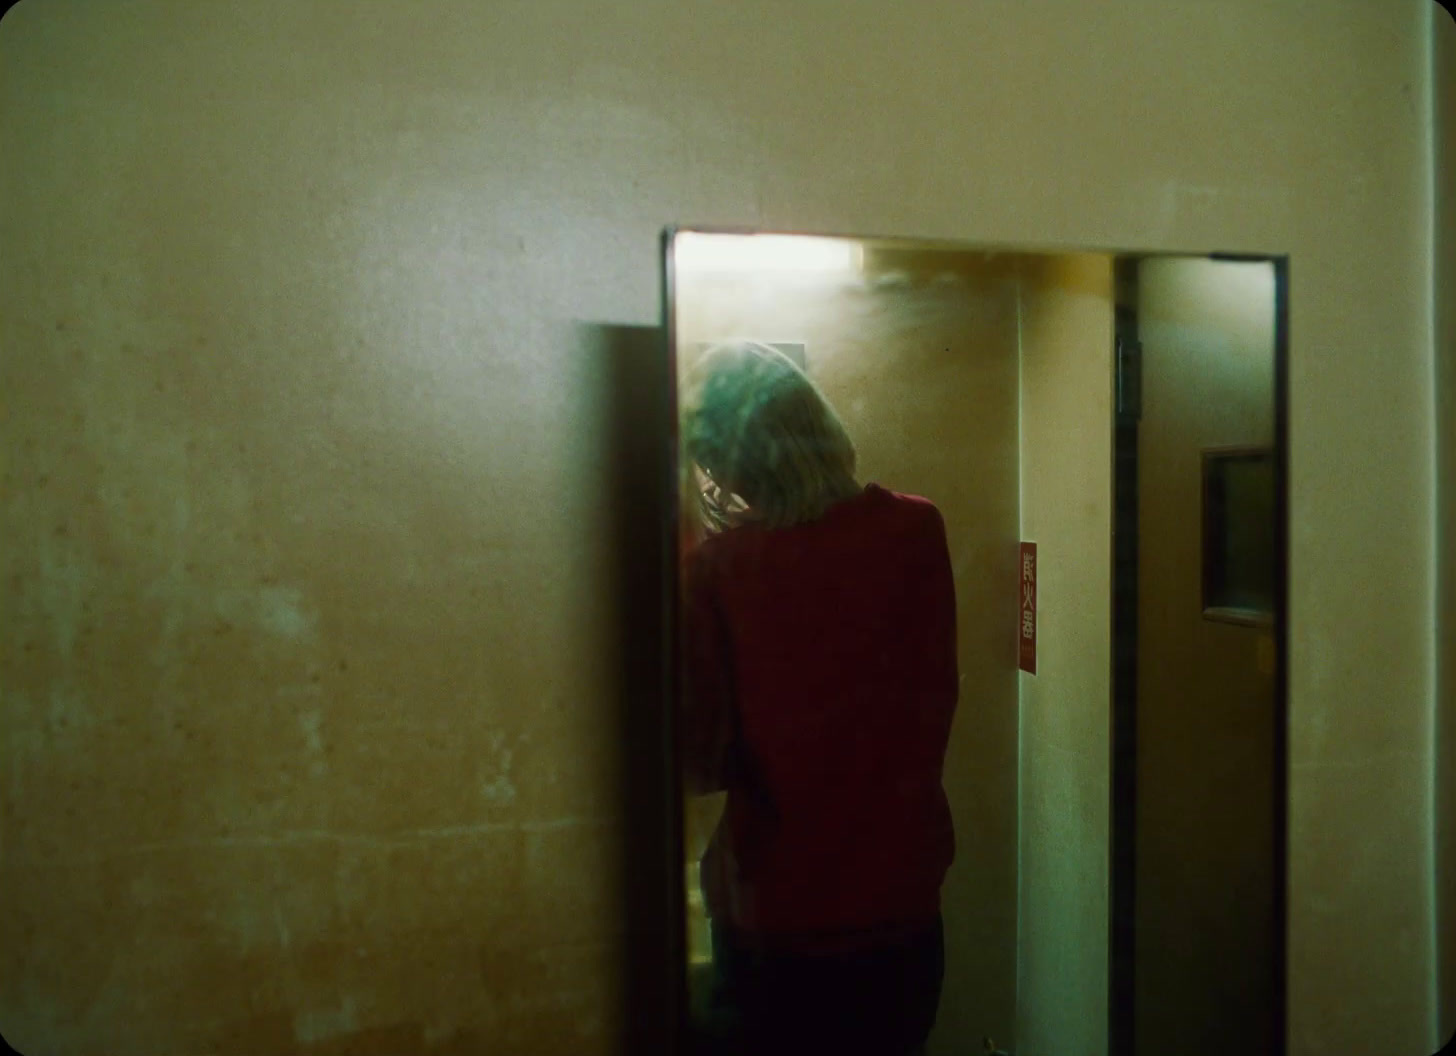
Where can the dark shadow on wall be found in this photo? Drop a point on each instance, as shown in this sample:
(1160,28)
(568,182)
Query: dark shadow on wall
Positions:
(634,364)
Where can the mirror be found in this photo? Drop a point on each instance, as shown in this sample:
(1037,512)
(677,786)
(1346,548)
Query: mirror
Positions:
(979,646)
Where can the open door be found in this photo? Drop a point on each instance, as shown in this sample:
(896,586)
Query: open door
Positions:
(1200,786)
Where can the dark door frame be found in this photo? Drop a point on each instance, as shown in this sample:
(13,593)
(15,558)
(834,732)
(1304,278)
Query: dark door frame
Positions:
(1123,768)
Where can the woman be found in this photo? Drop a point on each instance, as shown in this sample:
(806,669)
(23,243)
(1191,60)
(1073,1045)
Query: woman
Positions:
(820,677)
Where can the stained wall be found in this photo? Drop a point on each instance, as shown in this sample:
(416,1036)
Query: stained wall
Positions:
(304,458)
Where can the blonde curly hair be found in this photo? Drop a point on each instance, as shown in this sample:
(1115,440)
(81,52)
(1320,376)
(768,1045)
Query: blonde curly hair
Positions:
(762,431)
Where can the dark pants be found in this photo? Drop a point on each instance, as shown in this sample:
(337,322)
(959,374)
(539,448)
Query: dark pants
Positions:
(876,1002)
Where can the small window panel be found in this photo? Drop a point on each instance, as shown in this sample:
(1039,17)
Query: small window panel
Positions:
(1238,535)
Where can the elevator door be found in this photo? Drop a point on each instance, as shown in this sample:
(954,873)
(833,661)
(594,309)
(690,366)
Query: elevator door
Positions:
(1206,945)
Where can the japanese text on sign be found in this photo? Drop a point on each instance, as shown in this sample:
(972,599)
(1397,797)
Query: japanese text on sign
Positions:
(1027,637)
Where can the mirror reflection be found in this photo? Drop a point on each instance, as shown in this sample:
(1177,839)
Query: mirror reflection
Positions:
(897,838)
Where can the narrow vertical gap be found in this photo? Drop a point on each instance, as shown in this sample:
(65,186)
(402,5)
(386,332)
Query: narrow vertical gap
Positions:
(1123,748)
(674,950)
(1280,1018)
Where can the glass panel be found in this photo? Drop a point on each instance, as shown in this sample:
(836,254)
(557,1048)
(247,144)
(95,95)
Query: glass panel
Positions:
(1238,539)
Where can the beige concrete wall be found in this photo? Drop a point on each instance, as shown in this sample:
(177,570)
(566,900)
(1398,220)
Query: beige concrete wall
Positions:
(1205,931)
(293,390)
(1443,45)
(918,355)
(1066,509)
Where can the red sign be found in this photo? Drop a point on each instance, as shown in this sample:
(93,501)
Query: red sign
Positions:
(1026,626)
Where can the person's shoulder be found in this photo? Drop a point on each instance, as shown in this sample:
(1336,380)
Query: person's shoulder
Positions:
(909,505)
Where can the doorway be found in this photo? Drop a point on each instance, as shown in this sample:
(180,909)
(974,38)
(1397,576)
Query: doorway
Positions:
(1197,948)
(1036,396)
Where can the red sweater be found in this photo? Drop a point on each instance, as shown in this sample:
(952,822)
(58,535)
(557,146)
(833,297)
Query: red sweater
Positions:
(820,677)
